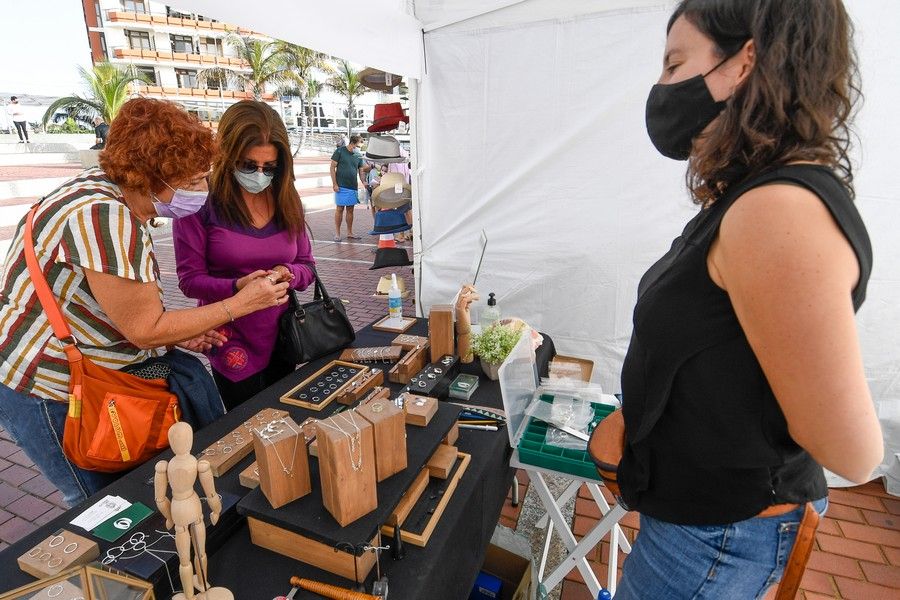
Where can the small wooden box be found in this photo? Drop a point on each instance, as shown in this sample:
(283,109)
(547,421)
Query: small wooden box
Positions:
(249,477)
(62,550)
(347,466)
(452,435)
(440,331)
(283,464)
(419,409)
(409,365)
(441,462)
(389,427)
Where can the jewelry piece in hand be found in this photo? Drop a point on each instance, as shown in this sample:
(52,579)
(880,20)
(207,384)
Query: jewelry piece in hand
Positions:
(271,279)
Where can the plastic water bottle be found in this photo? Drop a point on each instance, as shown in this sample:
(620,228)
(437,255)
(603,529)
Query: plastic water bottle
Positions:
(395,303)
(604,595)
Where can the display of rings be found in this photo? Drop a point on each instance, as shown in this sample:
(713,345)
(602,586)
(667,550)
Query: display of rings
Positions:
(55,541)
(303,396)
(54,563)
(438,370)
(316,399)
(227,450)
(73,546)
(341,369)
(431,376)
(422,384)
(333,386)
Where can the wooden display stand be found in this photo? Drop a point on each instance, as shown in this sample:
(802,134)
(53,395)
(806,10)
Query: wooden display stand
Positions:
(57,553)
(347,466)
(249,477)
(452,435)
(391,326)
(237,444)
(378,354)
(283,463)
(389,428)
(410,342)
(441,462)
(409,365)
(412,495)
(440,331)
(360,387)
(310,551)
(419,409)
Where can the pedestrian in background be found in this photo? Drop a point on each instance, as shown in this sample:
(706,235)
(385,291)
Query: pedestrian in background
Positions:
(346,166)
(17,115)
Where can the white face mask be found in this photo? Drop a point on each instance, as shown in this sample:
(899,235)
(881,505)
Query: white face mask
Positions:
(253,182)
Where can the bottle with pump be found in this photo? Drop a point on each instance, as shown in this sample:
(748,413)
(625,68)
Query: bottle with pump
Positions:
(491,314)
(395,303)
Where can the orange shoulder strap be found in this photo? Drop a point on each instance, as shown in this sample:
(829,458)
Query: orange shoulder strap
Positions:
(44,293)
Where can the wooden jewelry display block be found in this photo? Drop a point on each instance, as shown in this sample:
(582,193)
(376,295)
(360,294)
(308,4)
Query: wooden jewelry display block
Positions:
(409,365)
(249,477)
(440,331)
(389,426)
(361,386)
(410,342)
(347,466)
(57,553)
(331,381)
(237,444)
(442,461)
(418,409)
(283,464)
(377,354)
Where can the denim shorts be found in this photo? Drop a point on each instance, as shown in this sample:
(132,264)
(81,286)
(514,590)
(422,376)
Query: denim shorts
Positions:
(36,424)
(740,560)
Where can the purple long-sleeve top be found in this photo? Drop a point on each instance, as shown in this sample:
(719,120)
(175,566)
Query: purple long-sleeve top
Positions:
(211,256)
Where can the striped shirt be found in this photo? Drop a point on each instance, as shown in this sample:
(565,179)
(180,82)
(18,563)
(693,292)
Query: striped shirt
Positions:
(83,224)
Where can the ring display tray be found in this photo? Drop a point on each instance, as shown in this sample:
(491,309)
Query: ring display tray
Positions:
(319,389)
(424,515)
(394,325)
(304,529)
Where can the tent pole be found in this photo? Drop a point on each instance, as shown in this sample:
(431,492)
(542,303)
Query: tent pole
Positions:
(416,172)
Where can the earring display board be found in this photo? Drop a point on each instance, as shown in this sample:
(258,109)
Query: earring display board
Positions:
(424,516)
(410,342)
(237,444)
(389,428)
(434,380)
(394,325)
(382,354)
(361,386)
(280,449)
(440,331)
(57,553)
(409,365)
(326,384)
(419,409)
(347,466)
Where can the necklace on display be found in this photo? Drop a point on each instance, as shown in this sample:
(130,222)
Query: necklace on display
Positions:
(272,430)
(355,445)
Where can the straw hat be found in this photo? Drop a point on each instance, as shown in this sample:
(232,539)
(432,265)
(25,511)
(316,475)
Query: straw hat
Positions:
(393,192)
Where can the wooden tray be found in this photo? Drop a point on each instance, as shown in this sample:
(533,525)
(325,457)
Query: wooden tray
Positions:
(407,323)
(420,537)
(318,402)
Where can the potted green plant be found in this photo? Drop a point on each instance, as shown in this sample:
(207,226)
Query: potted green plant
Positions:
(493,345)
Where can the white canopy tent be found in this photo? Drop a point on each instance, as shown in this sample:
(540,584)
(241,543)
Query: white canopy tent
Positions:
(528,123)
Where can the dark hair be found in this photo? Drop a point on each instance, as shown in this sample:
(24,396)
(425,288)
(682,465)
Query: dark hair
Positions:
(355,139)
(156,141)
(244,125)
(795,105)
(13,98)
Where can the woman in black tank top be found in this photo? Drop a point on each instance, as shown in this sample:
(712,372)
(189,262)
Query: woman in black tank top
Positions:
(744,374)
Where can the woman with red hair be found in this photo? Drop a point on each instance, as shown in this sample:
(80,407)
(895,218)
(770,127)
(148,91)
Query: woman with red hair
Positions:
(92,243)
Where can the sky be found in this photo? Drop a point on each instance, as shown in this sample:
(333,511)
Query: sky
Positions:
(42,44)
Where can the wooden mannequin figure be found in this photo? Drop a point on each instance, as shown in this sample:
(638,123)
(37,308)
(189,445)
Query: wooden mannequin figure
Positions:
(467,295)
(185,512)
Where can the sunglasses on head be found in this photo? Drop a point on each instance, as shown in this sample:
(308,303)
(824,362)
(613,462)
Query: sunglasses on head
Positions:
(248,166)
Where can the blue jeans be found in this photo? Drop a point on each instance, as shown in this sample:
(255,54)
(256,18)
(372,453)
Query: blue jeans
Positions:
(740,560)
(37,426)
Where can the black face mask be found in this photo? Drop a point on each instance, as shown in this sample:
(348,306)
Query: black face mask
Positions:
(678,112)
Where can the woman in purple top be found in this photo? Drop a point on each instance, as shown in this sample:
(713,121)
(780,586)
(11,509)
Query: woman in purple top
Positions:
(252,226)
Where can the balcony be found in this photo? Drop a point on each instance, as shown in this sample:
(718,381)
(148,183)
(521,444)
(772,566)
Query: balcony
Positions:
(209,94)
(125,17)
(200,60)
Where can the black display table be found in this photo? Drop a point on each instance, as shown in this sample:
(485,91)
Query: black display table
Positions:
(445,569)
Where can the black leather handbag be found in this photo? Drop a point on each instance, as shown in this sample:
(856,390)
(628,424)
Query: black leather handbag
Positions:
(312,330)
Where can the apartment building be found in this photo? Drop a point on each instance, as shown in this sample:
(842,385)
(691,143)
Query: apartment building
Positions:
(171,48)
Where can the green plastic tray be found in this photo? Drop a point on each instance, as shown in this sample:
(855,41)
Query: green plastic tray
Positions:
(533,449)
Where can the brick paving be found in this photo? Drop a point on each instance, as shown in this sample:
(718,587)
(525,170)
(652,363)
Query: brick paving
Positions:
(857,551)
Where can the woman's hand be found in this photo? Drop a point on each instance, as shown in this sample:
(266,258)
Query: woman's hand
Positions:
(243,281)
(204,342)
(261,293)
(281,273)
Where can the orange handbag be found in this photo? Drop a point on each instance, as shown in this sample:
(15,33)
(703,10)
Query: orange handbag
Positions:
(116,420)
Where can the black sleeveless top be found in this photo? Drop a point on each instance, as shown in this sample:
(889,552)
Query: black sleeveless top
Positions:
(706,442)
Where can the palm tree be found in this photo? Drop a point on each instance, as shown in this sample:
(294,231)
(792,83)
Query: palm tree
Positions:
(306,64)
(269,63)
(348,84)
(107,86)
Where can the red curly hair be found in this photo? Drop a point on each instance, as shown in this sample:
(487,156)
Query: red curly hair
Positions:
(156,141)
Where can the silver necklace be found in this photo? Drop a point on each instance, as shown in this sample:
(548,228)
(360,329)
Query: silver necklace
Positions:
(271,431)
(355,445)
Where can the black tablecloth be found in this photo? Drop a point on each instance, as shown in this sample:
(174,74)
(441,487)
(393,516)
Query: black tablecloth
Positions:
(445,569)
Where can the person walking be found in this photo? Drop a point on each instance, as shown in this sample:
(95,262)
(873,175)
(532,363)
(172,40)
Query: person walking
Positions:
(17,115)
(346,166)
(744,376)
(101,132)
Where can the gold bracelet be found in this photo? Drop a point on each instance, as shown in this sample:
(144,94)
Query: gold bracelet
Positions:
(227,312)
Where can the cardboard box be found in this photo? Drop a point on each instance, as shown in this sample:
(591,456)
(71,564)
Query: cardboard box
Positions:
(513,570)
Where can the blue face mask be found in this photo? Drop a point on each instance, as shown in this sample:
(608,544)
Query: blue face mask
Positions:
(183,203)
(254,182)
